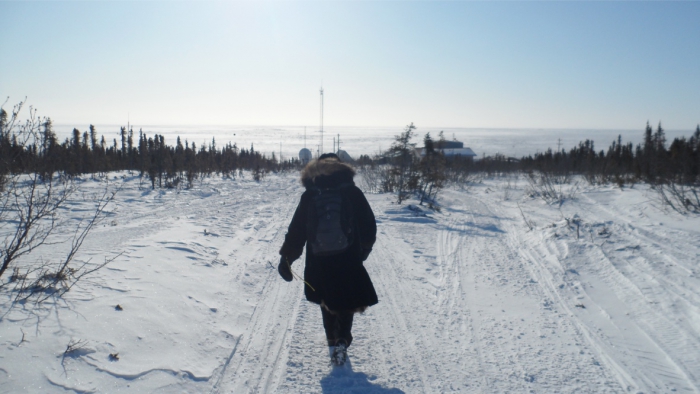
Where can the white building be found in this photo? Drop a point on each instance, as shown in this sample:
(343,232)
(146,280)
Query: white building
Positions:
(450,149)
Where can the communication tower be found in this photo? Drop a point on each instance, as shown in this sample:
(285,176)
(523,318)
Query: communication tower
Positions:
(321,151)
(305,155)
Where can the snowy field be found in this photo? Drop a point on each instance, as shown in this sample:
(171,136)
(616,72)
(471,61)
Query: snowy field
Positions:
(601,295)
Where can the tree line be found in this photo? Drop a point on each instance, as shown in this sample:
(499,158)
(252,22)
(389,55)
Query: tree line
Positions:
(33,147)
(671,169)
(653,161)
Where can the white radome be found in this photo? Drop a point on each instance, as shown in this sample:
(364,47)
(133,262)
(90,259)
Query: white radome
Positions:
(305,155)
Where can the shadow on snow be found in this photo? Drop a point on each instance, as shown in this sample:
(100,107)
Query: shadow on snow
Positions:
(346,381)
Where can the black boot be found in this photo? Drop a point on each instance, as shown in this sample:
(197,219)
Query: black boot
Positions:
(340,353)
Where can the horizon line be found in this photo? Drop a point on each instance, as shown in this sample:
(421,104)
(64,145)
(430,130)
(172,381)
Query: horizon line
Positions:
(316,130)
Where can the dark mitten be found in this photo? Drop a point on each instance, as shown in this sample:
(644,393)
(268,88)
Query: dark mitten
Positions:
(365,253)
(285,269)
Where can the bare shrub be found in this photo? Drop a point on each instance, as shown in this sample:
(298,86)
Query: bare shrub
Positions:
(509,186)
(40,226)
(30,209)
(527,222)
(31,204)
(371,176)
(259,173)
(679,197)
(75,346)
(552,188)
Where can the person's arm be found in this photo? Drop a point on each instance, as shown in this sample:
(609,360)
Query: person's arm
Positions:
(367,226)
(295,239)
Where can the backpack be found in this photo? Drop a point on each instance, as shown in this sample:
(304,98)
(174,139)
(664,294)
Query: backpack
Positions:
(330,224)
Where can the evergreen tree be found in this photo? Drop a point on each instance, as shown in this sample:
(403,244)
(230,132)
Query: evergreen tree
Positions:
(432,171)
(3,123)
(648,140)
(403,177)
(122,133)
(48,139)
(130,148)
(76,140)
(659,139)
(93,138)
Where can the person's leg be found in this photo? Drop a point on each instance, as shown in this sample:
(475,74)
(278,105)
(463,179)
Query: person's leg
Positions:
(329,324)
(344,326)
(338,325)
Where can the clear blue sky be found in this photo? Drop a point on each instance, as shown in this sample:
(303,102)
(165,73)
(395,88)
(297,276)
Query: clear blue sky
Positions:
(451,64)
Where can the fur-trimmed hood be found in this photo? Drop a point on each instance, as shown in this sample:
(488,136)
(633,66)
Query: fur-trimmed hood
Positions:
(326,173)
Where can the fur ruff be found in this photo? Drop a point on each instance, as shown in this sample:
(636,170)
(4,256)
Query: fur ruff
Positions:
(325,167)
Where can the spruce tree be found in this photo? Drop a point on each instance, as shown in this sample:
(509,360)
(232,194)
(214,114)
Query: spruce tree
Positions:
(402,163)
(93,138)
(3,123)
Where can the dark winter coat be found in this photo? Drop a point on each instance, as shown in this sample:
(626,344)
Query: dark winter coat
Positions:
(339,282)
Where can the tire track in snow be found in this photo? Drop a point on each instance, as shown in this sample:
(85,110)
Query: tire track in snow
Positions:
(455,305)
(660,259)
(475,278)
(254,363)
(496,278)
(646,299)
(624,319)
(647,279)
(402,339)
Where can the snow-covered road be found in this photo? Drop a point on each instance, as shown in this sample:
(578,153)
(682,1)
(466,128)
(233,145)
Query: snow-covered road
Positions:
(602,295)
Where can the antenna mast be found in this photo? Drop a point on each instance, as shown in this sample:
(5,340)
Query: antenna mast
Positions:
(321,151)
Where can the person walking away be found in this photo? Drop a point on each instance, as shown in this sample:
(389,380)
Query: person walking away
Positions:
(336,224)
